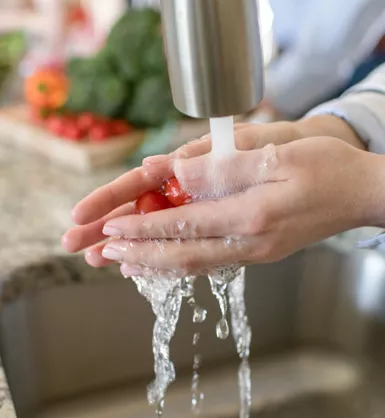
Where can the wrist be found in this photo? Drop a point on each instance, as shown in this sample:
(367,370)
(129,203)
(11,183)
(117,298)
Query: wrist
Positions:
(328,125)
(375,191)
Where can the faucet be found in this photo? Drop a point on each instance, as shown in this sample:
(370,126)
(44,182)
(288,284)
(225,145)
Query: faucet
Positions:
(214,56)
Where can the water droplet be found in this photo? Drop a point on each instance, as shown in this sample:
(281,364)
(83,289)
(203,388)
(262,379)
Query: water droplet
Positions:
(199,315)
(222,329)
(160,408)
(196,338)
(197,403)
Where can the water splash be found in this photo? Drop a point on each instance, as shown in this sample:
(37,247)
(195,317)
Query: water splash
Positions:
(165,296)
(197,397)
(242,335)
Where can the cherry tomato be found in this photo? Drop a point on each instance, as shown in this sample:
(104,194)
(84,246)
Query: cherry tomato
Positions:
(175,195)
(85,121)
(151,202)
(120,127)
(73,132)
(56,125)
(99,132)
(77,15)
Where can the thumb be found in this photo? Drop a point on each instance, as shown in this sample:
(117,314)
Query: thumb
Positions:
(211,177)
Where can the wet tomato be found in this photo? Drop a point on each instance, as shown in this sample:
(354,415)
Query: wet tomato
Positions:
(174,193)
(151,202)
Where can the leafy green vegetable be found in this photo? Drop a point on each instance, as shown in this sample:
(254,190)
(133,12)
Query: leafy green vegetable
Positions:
(80,97)
(110,96)
(153,58)
(12,46)
(152,103)
(128,77)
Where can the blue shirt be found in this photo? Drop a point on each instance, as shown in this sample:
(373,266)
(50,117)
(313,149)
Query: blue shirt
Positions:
(324,41)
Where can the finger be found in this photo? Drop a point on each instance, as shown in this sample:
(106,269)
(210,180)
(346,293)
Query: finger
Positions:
(208,177)
(236,216)
(106,198)
(181,259)
(94,257)
(84,236)
(163,163)
(137,271)
(191,221)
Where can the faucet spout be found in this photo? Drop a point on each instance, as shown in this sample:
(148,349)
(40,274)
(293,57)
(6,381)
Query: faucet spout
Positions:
(214,55)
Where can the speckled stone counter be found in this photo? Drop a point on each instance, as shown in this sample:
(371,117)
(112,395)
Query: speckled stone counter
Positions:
(35,203)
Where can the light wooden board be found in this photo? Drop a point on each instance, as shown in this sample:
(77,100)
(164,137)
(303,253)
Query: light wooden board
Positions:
(16,128)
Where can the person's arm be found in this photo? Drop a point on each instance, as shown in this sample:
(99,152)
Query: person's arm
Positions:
(336,37)
(362,109)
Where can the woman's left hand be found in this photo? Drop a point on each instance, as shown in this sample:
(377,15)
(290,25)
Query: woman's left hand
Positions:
(315,188)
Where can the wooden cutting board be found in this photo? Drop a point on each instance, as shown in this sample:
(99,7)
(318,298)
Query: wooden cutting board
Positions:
(17,129)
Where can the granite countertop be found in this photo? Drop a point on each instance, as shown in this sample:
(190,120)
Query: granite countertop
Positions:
(36,199)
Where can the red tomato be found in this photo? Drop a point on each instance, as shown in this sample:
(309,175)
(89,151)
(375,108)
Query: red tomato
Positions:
(77,15)
(120,127)
(85,121)
(151,202)
(73,132)
(174,193)
(56,125)
(99,132)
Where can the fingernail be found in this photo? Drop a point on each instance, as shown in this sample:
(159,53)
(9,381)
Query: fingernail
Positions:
(112,253)
(155,159)
(129,271)
(111,231)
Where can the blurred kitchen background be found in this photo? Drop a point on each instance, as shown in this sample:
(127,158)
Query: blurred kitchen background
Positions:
(84,96)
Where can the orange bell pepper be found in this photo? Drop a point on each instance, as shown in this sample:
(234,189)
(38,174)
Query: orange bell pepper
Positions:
(46,88)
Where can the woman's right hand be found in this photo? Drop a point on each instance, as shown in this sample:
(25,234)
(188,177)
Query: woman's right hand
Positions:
(116,198)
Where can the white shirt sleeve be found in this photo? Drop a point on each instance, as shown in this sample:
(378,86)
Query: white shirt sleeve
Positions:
(363,108)
(336,36)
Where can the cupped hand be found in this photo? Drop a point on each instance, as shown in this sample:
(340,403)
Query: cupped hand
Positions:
(279,200)
(115,199)
(275,204)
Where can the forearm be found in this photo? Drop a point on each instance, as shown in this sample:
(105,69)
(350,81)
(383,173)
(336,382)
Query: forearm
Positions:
(328,125)
(373,197)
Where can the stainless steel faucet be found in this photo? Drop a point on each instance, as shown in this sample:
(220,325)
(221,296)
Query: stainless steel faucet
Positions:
(214,56)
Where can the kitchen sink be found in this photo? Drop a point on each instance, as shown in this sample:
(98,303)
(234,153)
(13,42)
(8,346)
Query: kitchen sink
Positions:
(80,346)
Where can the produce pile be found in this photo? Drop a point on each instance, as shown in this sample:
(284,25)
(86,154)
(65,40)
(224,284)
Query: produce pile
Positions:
(128,78)
(124,85)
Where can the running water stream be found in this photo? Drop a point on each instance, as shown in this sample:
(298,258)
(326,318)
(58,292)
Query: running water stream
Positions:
(165,295)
